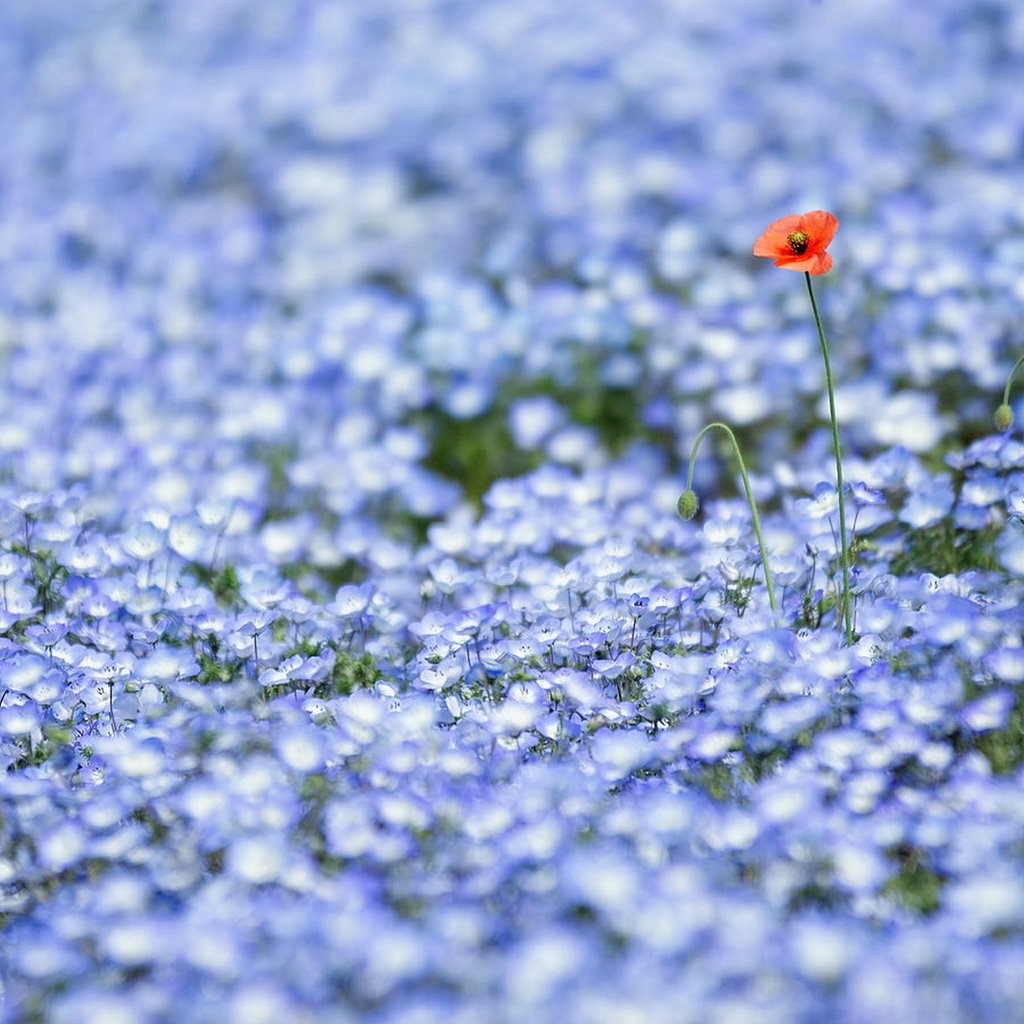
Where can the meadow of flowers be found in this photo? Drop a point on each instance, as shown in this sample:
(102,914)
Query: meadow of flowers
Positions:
(356,663)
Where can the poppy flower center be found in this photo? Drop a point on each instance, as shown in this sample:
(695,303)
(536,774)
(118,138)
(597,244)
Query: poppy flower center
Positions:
(798,241)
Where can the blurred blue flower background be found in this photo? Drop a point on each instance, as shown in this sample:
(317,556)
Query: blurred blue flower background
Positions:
(354,663)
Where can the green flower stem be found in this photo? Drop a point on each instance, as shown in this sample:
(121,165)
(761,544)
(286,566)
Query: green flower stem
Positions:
(1009,380)
(755,518)
(846,618)
(1003,418)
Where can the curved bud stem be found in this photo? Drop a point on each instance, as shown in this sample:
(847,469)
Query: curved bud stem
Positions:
(846,616)
(755,518)
(1004,414)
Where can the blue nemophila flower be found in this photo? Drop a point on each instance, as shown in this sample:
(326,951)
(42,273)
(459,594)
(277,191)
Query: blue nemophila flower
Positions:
(987,904)
(89,558)
(220,463)
(136,756)
(982,489)
(1006,664)
(929,501)
(948,618)
(165,664)
(710,744)
(825,950)
(785,720)
(351,600)
(514,717)
(188,537)
(726,525)
(533,420)
(34,675)
(19,717)
(448,576)
(1015,504)
(258,859)
(993,452)
(1010,548)
(620,752)
(989,711)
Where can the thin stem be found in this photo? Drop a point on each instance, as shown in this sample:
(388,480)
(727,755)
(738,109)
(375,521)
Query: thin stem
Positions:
(846,619)
(755,518)
(1009,380)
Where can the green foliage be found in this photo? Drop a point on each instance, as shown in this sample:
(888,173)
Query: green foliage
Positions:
(213,670)
(223,583)
(916,886)
(476,451)
(332,577)
(816,892)
(213,666)
(1004,748)
(813,607)
(351,672)
(277,458)
(54,739)
(756,767)
(48,575)
(615,413)
(718,780)
(737,593)
(943,549)
(480,450)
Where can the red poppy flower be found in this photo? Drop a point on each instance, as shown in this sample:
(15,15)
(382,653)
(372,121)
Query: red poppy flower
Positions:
(798,242)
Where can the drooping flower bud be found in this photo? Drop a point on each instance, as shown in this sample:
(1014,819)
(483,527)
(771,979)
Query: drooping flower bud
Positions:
(689,504)
(1003,418)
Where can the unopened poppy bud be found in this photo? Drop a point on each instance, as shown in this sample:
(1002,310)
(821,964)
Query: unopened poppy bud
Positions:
(689,504)
(1003,418)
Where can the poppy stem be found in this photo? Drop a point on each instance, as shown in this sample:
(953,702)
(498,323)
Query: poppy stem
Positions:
(751,501)
(1004,414)
(1009,380)
(845,619)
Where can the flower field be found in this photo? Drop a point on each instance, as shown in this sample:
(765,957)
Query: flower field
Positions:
(356,662)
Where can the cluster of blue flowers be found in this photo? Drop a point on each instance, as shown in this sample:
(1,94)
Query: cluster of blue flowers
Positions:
(355,664)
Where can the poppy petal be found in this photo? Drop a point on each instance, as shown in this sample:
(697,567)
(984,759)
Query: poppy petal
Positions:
(821,227)
(815,263)
(818,228)
(774,240)
(824,263)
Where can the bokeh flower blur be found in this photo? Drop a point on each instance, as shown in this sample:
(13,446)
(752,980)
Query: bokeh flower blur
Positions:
(355,664)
